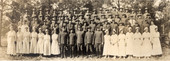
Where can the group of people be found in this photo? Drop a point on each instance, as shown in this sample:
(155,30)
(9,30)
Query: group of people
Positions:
(117,32)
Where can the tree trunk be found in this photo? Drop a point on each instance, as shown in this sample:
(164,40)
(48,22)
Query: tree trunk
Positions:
(1,14)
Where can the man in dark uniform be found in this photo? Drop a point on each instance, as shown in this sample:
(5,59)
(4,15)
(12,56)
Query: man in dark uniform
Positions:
(63,40)
(34,22)
(72,41)
(52,26)
(117,19)
(114,12)
(120,11)
(98,41)
(133,13)
(146,13)
(124,19)
(144,24)
(103,18)
(114,25)
(127,12)
(79,35)
(41,22)
(88,41)
(47,20)
(45,26)
(121,27)
(70,26)
(92,25)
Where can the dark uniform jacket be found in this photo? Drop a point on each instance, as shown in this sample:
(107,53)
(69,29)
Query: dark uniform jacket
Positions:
(63,37)
(98,37)
(88,37)
(79,35)
(72,38)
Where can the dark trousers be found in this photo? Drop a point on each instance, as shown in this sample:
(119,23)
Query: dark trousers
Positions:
(63,50)
(98,47)
(80,48)
(72,50)
(89,47)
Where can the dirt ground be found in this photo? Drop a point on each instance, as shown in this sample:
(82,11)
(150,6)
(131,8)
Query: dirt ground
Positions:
(4,56)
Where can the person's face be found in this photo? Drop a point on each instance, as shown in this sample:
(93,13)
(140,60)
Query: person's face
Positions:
(107,32)
(46,31)
(63,29)
(137,30)
(130,30)
(126,10)
(146,11)
(19,29)
(33,29)
(53,22)
(79,29)
(54,31)
(39,30)
(71,31)
(89,30)
(11,28)
(140,17)
(98,29)
(113,33)
(26,29)
(121,10)
(146,30)
(69,21)
(152,23)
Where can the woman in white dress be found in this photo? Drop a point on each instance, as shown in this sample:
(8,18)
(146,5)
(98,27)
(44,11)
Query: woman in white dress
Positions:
(156,46)
(122,42)
(47,44)
(146,44)
(137,41)
(19,41)
(11,39)
(34,38)
(40,43)
(106,50)
(129,40)
(55,50)
(152,27)
(114,44)
(26,41)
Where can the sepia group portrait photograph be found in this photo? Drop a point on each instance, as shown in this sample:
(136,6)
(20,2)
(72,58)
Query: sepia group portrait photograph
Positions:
(84,30)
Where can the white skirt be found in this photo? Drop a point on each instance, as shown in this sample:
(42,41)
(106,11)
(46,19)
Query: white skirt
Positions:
(122,48)
(55,49)
(33,47)
(26,47)
(40,46)
(137,48)
(156,48)
(106,49)
(47,48)
(146,48)
(114,50)
(129,47)
(19,47)
(11,48)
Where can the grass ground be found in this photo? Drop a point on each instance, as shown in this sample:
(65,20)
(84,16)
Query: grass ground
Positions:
(4,56)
